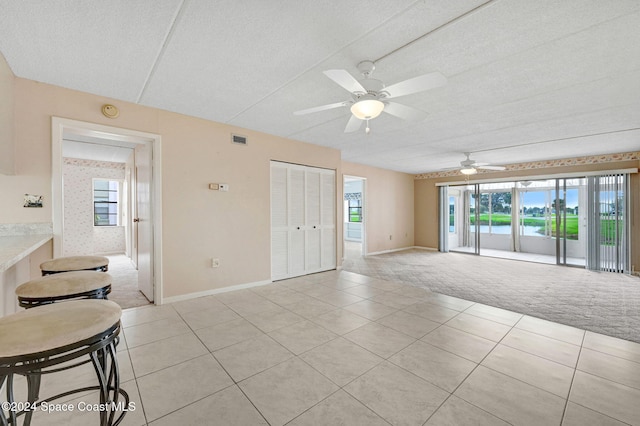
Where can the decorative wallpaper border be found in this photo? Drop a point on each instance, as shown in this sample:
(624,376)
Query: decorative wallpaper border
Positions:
(93,163)
(577,161)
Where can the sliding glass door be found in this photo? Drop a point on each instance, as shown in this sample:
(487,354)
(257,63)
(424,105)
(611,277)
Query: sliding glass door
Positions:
(565,221)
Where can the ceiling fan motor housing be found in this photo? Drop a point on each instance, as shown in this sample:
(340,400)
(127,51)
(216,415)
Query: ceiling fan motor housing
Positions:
(366,68)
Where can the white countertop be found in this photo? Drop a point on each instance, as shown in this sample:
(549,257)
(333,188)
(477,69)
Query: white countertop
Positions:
(16,247)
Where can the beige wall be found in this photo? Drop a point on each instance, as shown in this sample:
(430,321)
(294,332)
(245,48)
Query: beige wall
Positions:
(6,118)
(389,207)
(198,223)
(234,226)
(426,200)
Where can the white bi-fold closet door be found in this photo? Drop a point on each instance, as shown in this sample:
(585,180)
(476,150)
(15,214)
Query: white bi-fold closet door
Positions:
(303,220)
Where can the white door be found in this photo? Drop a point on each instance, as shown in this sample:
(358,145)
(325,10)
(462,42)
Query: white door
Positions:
(297,252)
(312,222)
(303,214)
(133,209)
(143,224)
(328,219)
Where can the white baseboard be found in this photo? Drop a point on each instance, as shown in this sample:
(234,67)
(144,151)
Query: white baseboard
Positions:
(388,251)
(188,296)
(401,249)
(425,248)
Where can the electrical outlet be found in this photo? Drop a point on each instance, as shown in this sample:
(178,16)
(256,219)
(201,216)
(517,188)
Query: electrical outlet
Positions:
(215,263)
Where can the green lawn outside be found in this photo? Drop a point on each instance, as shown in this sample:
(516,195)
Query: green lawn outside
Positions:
(505,220)
(607,225)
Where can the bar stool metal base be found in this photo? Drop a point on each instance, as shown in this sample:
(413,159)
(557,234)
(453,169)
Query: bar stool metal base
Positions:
(27,303)
(64,286)
(102,354)
(74,263)
(100,350)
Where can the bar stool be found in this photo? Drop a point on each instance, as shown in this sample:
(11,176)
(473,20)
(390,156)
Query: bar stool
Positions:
(75,263)
(64,286)
(35,341)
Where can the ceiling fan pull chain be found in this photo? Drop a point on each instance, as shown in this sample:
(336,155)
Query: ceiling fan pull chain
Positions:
(367,130)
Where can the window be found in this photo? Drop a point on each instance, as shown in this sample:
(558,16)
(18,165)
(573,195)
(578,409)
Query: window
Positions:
(353,206)
(452,214)
(495,212)
(355,210)
(105,202)
(500,212)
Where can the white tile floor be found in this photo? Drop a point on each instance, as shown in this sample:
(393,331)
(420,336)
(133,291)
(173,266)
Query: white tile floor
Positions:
(339,348)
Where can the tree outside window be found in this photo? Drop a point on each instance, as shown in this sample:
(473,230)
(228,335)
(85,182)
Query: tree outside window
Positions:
(355,210)
(105,202)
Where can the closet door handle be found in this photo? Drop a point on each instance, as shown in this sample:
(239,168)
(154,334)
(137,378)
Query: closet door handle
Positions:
(298,227)
(314,227)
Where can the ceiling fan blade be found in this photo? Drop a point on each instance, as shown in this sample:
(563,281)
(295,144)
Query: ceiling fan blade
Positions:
(353,125)
(416,84)
(404,112)
(320,108)
(346,80)
(490,167)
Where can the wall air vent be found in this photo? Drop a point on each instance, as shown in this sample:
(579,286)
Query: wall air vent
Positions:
(237,139)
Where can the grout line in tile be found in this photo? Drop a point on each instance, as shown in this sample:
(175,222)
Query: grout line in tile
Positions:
(196,401)
(549,337)
(599,412)
(566,403)
(615,356)
(417,300)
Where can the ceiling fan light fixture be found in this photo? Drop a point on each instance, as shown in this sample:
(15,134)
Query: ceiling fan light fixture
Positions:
(468,171)
(367,109)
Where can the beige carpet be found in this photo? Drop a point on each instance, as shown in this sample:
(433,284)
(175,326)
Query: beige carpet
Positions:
(124,288)
(601,302)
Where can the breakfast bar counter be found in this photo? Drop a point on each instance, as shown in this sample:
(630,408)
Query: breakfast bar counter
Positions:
(14,248)
(22,248)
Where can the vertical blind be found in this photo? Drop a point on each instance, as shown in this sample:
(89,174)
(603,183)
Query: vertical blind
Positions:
(443,218)
(608,227)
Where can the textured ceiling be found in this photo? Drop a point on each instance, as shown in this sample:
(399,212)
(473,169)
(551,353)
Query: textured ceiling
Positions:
(527,80)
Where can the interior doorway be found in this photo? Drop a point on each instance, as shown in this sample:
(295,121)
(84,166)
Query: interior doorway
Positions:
(354,235)
(138,211)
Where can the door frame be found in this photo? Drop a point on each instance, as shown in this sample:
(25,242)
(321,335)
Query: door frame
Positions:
(61,125)
(363,242)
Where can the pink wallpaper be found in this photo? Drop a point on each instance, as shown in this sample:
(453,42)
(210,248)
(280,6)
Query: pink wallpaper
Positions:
(80,236)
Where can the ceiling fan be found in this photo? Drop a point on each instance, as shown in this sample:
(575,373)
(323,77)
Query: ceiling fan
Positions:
(470,167)
(370,97)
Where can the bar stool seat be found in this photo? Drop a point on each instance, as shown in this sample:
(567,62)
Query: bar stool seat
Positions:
(75,263)
(64,286)
(34,340)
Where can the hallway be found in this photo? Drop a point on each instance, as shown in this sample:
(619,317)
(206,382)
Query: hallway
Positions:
(124,288)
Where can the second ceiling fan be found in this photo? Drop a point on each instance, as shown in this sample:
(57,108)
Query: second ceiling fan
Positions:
(370,97)
(470,167)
